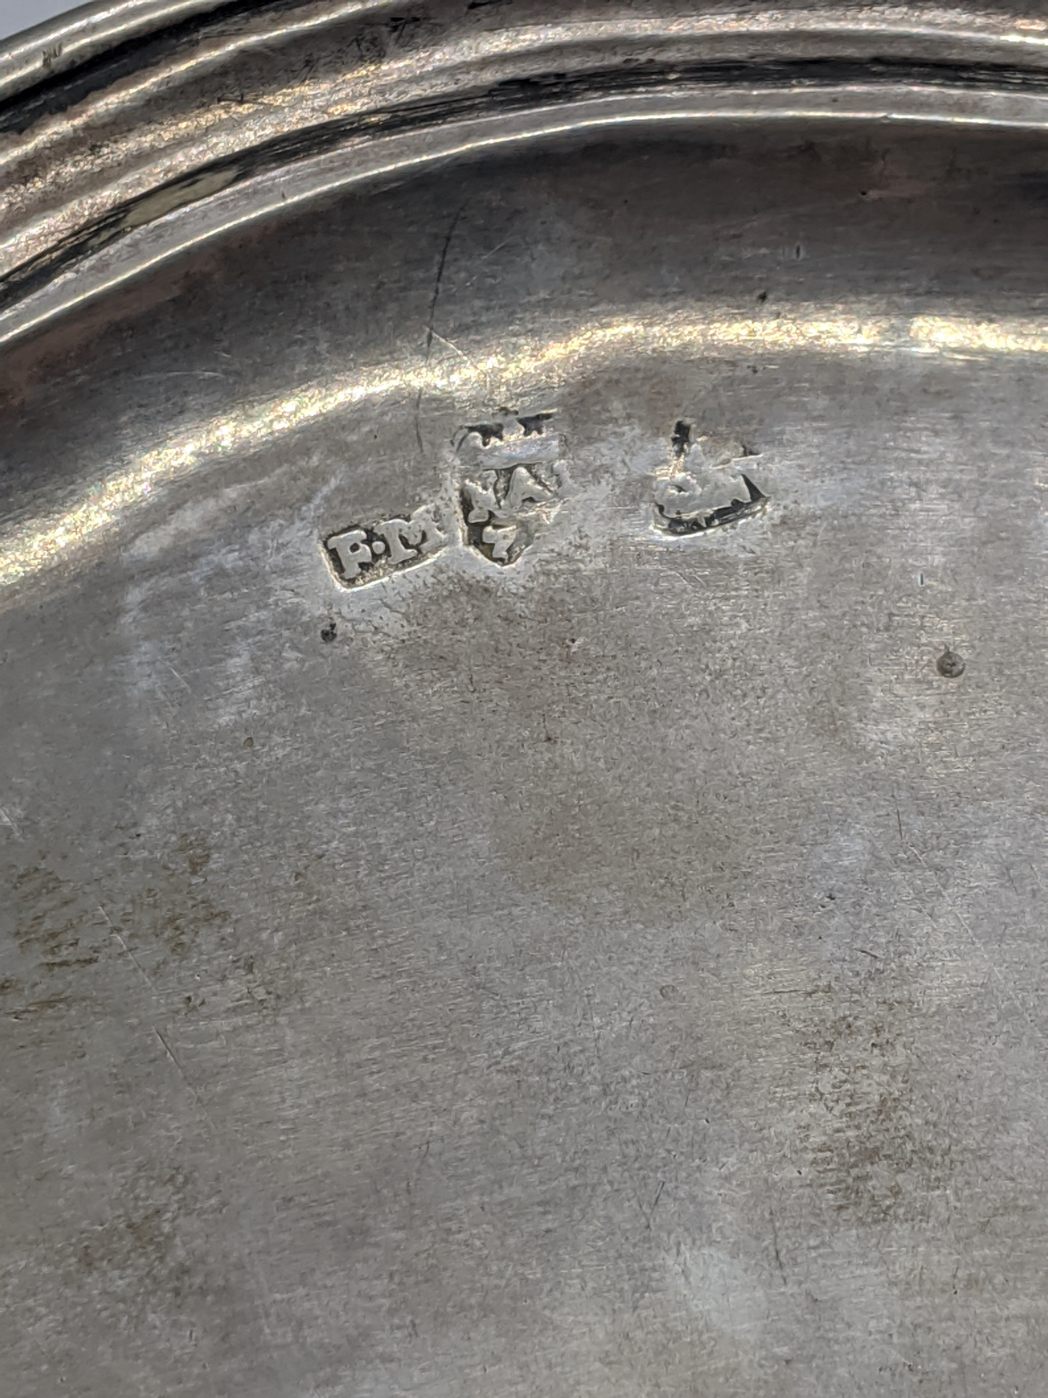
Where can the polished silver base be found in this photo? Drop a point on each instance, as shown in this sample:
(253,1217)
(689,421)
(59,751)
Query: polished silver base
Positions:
(523,809)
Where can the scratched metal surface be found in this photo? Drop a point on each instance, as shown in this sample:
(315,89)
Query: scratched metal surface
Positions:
(522,807)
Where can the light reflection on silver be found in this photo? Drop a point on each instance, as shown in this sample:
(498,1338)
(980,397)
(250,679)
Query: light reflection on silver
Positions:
(43,543)
(164,226)
(88,179)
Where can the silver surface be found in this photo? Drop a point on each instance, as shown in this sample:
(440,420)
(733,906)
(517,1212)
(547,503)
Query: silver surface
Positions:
(522,802)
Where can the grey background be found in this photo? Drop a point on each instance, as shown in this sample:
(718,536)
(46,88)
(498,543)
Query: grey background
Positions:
(23,14)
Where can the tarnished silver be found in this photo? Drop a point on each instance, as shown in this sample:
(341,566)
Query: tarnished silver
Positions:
(522,591)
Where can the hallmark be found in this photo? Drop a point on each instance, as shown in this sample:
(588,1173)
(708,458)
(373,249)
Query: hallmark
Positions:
(505,507)
(509,478)
(516,483)
(685,503)
(364,554)
(679,508)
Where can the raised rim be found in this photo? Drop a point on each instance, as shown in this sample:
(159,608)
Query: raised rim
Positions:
(62,43)
(177,168)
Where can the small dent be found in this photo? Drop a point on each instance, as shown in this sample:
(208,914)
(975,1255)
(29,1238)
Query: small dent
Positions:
(950,665)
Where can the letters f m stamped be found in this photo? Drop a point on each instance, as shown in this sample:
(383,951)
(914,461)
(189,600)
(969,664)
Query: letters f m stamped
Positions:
(367,553)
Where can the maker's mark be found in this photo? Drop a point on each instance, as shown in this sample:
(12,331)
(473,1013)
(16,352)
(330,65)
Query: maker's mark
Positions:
(369,552)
